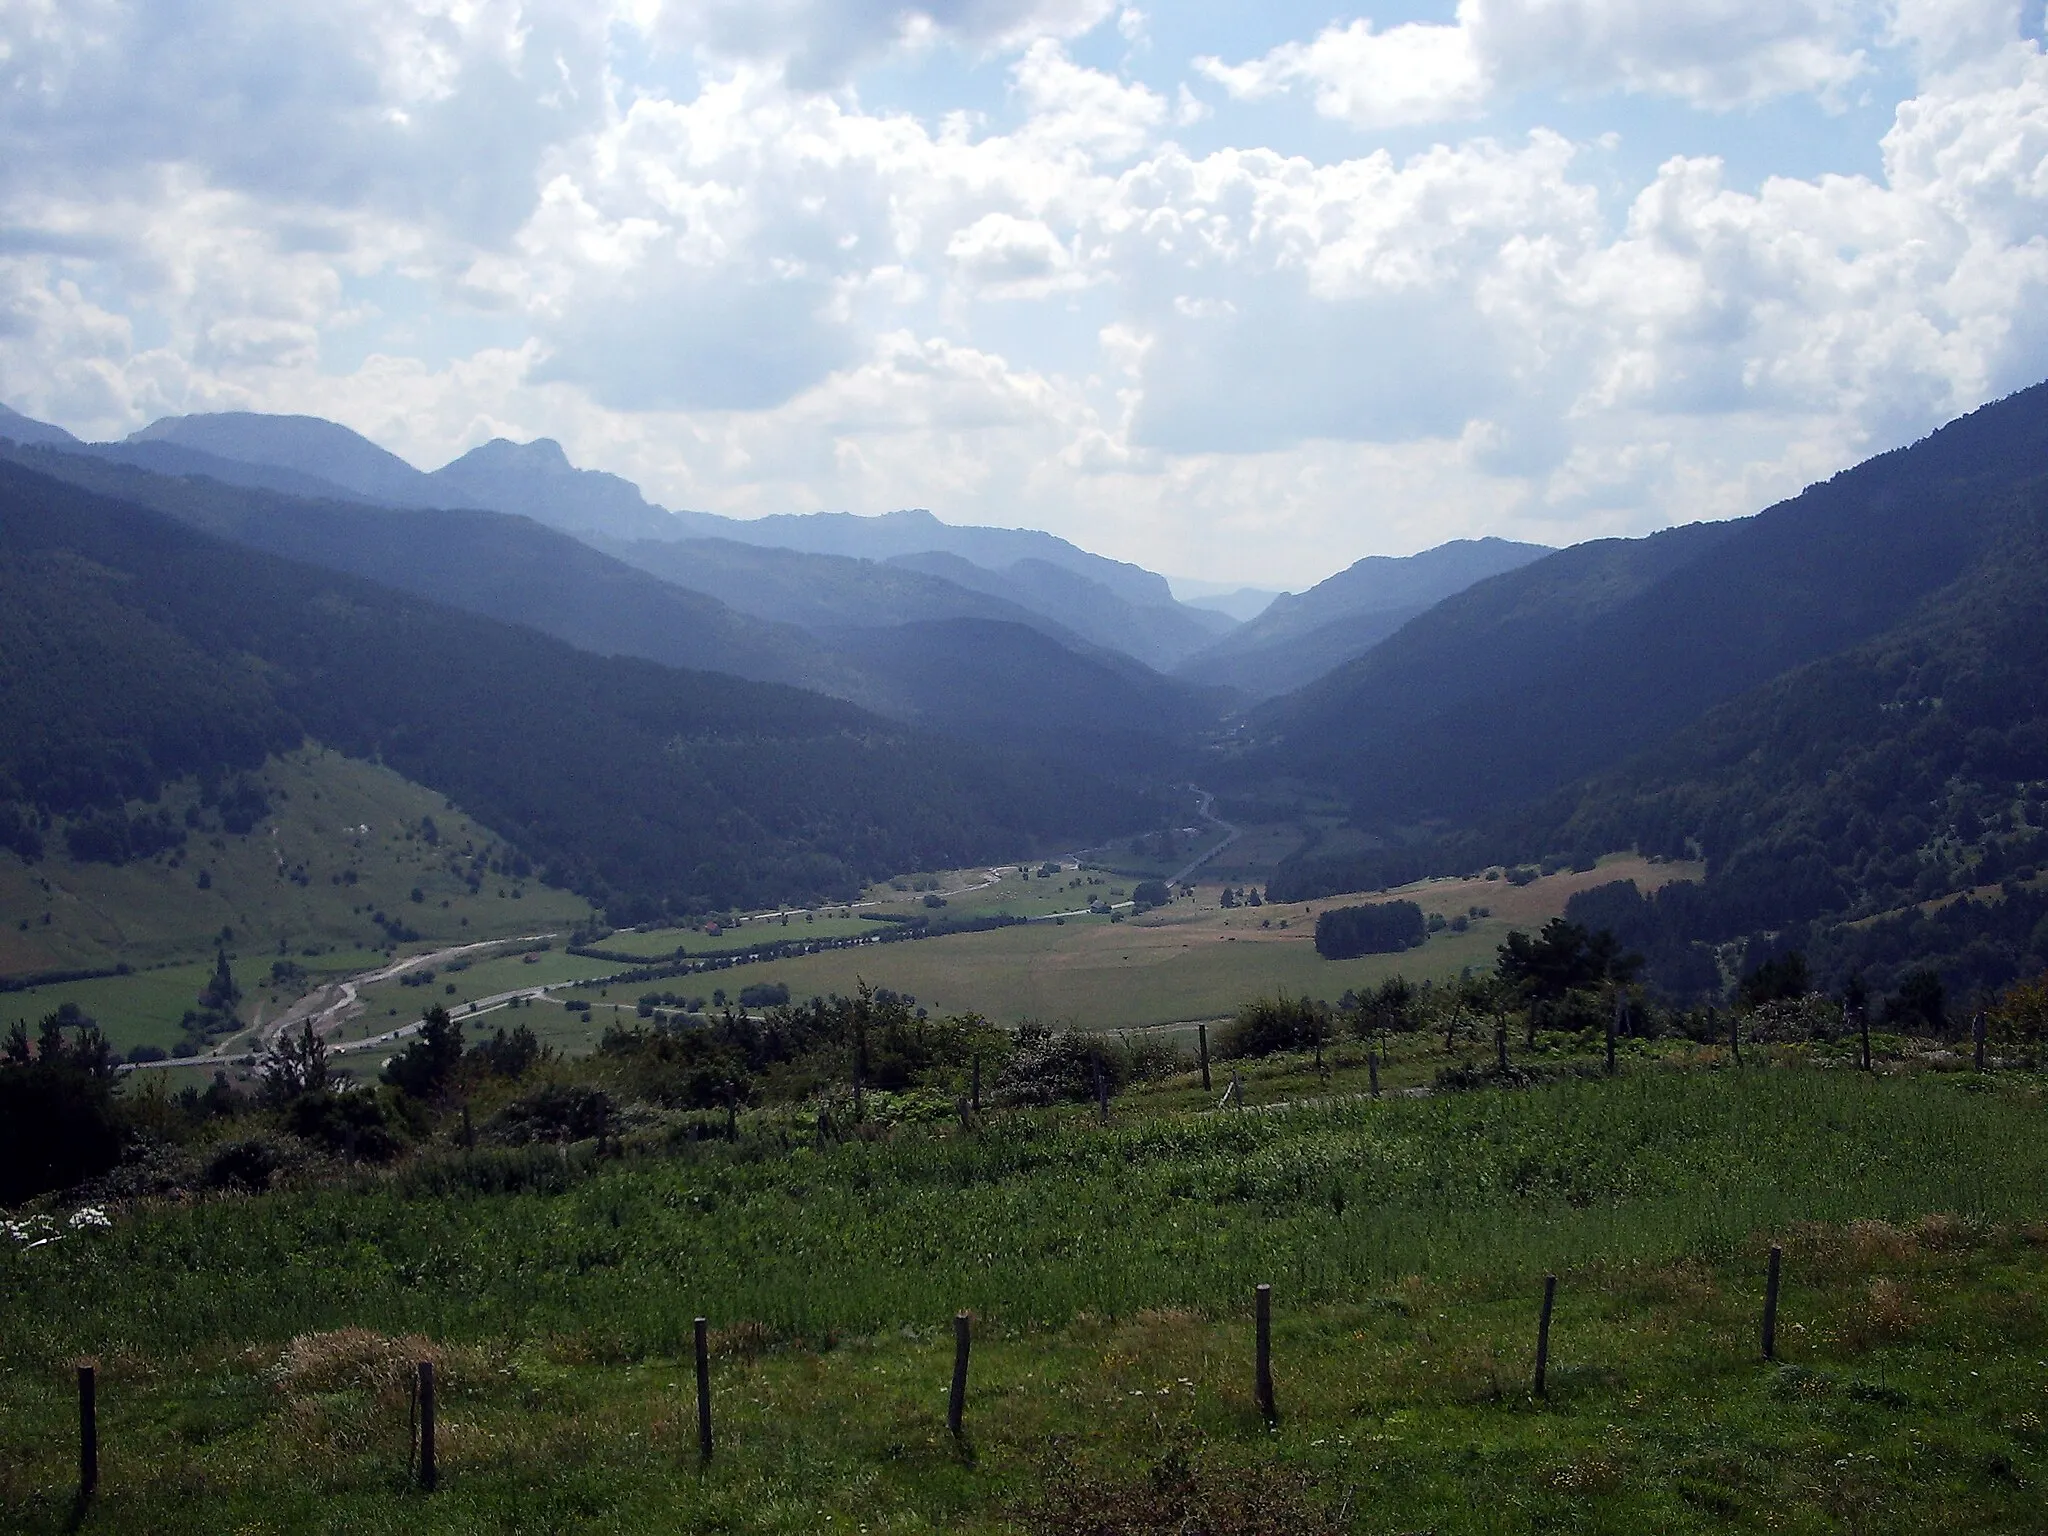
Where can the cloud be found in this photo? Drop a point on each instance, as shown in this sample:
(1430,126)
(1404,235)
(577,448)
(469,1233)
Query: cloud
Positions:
(1708,53)
(820,43)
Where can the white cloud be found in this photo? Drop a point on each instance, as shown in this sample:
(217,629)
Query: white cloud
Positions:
(1416,73)
(1709,53)
(757,296)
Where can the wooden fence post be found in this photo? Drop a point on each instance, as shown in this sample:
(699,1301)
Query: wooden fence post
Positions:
(1500,1041)
(1613,1029)
(1264,1380)
(88,1432)
(956,1404)
(1372,1066)
(1735,1035)
(703,1341)
(1863,1029)
(1101,1091)
(977,1082)
(430,1472)
(1771,1304)
(1543,1337)
(1202,1040)
(1977,1040)
(1237,1089)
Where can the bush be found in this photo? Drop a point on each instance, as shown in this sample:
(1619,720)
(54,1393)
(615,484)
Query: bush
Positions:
(355,1124)
(59,1122)
(1151,893)
(1058,1068)
(246,1165)
(558,1112)
(1275,1024)
(1380,928)
(765,994)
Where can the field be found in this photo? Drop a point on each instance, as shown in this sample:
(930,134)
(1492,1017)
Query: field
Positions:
(1193,960)
(253,1350)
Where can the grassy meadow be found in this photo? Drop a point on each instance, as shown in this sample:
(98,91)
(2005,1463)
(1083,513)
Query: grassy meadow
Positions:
(1192,960)
(253,1349)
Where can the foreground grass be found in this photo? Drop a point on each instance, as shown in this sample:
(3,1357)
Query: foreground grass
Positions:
(1111,1273)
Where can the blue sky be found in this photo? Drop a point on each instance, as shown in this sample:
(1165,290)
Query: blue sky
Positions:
(1240,292)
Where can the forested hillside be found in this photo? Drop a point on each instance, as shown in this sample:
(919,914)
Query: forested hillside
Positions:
(134,651)
(1836,804)
(1567,666)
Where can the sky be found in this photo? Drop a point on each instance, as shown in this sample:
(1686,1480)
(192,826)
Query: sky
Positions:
(1239,292)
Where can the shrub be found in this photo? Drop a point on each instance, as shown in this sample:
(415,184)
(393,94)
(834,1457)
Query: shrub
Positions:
(1151,893)
(765,994)
(558,1112)
(1058,1068)
(1271,1024)
(1379,928)
(356,1124)
(246,1165)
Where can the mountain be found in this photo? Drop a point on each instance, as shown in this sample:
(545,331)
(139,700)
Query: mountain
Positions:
(135,651)
(1012,687)
(308,445)
(1156,635)
(18,428)
(490,563)
(917,532)
(1242,604)
(822,593)
(1297,639)
(511,568)
(537,480)
(1840,704)
(305,455)
(1567,666)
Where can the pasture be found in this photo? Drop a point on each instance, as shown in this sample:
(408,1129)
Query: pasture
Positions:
(253,1350)
(1191,960)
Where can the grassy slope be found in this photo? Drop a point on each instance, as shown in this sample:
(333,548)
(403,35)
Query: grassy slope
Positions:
(152,914)
(1110,1270)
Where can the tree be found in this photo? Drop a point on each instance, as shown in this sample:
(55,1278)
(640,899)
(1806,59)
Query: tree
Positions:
(427,1067)
(59,1122)
(221,993)
(1778,980)
(1562,959)
(296,1065)
(1380,928)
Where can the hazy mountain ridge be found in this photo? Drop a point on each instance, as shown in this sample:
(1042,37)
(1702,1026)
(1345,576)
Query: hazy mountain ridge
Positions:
(644,787)
(1300,637)
(1156,636)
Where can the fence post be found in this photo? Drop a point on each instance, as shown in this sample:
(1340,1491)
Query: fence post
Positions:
(88,1432)
(429,1470)
(1372,1066)
(1237,1089)
(1101,1091)
(977,1082)
(1977,1040)
(1735,1035)
(1863,1029)
(1543,1337)
(1771,1304)
(1613,1029)
(1202,1039)
(956,1404)
(1265,1354)
(702,1331)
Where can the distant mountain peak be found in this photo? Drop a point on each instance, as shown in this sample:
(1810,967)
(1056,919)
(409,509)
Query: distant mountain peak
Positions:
(543,455)
(26,429)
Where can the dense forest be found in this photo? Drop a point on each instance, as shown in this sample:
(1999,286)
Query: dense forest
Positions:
(135,651)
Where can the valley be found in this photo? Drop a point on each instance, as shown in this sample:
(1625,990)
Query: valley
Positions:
(486,918)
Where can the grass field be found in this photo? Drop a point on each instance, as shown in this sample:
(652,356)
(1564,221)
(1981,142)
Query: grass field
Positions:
(1189,961)
(252,1349)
